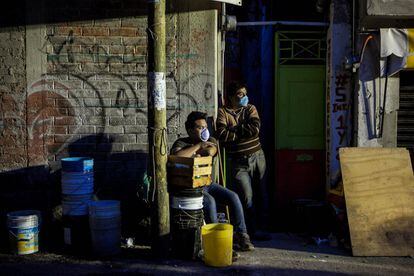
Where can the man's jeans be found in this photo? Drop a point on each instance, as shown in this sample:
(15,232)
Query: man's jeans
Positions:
(217,193)
(248,182)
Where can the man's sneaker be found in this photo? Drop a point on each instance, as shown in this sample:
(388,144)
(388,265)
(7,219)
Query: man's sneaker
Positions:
(241,241)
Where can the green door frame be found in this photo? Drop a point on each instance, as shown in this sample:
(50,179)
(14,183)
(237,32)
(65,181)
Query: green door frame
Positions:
(306,48)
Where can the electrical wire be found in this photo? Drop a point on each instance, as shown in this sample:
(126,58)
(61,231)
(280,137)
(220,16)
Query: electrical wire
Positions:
(363,48)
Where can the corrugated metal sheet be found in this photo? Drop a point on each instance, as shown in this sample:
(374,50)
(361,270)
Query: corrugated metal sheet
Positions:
(405,134)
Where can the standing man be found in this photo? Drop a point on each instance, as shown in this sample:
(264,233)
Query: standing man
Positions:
(199,143)
(238,128)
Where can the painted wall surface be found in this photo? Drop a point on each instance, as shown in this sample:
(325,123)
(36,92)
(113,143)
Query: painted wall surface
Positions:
(339,97)
(73,82)
(196,60)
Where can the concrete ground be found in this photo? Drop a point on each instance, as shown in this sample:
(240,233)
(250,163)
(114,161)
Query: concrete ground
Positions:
(284,255)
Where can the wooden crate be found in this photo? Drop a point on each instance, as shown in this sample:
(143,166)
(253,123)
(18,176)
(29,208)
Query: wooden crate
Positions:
(189,172)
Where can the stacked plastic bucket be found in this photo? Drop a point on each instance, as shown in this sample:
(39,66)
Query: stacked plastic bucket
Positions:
(186,220)
(105,225)
(77,192)
(77,185)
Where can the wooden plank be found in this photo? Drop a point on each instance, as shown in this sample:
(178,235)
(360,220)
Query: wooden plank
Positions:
(180,171)
(202,181)
(379,193)
(206,160)
(196,171)
(175,180)
(206,170)
(181,160)
(186,181)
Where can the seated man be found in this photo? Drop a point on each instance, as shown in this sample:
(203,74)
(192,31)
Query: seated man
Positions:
(199,143)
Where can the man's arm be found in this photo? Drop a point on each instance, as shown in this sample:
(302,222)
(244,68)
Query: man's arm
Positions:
(224,132)
(200,149)
(250,126)
(210,149)
(187,152)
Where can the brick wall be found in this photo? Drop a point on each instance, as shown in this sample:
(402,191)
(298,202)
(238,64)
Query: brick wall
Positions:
(12,98)
(73,83)
(97,70)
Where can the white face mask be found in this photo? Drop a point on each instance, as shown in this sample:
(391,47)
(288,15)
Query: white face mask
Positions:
(244,101)
(205,135)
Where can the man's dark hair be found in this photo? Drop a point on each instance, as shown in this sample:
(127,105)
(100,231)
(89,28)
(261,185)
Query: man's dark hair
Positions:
(233,87)
(194,116)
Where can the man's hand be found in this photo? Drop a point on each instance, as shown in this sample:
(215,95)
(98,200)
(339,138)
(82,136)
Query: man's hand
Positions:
(207,149)
(204,145)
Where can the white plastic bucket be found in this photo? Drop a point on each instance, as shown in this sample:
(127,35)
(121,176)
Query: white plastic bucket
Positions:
(105,224)
(24,231)
(187,203)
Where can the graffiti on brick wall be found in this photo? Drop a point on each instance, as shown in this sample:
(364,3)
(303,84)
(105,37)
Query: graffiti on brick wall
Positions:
(81,95)
(46,117)
(88,55)
(82,58)
(50,112)
(72,53)
(57,114)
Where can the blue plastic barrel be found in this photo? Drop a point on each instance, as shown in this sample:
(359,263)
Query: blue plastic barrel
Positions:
(105,224)
(77,183)
(77,176)
(76,205)
(77,164)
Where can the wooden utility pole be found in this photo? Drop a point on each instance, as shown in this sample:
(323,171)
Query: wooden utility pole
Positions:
(157,125)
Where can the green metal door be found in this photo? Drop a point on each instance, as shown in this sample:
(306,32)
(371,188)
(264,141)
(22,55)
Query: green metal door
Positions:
(299,120)
(300,107)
